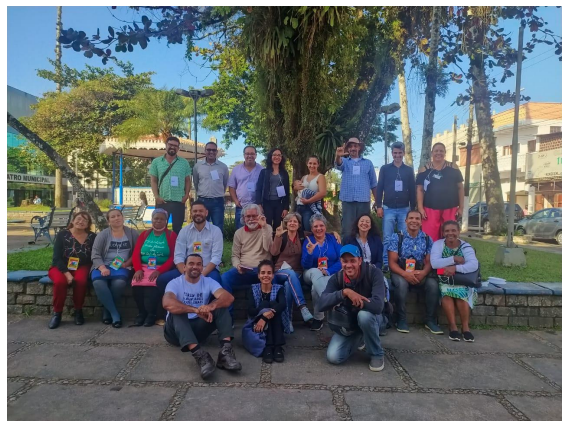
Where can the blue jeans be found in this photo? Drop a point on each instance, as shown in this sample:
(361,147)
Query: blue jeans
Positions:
(238,218)
(306,214)
(290,279)
(233,279)
(215,207)
(341,347)
(391,217)
(109,293)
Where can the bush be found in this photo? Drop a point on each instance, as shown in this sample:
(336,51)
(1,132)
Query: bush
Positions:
(229,228)
(104,204)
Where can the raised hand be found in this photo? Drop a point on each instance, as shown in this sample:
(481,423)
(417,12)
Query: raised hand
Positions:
(310,246)
(340,151)
(279,231)
(262,221)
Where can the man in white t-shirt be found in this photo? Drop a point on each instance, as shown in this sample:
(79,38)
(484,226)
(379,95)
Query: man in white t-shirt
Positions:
(192,317)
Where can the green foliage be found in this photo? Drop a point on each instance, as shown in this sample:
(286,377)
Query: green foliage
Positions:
(229,228)
(104,204)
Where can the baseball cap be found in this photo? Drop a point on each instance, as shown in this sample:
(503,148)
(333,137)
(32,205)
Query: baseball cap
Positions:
(350,249)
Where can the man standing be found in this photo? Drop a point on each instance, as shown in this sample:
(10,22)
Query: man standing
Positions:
(251,245)
(409,261)
(191,319)
(357,182)
(243,180)
(170,182)
(395,195)
(199,237)
(210,181)
(354,298)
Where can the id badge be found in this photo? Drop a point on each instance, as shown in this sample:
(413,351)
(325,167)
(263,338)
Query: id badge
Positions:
(215,175)
(174,181)
(398,186)
(117,262)
(251,187)
(410,264)
(197,247)
(356,170)
(73,263)
(426,184)
(322,263)
(152,263)
(281,191)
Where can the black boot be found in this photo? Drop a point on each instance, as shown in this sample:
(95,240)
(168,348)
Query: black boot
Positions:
(205,361)
(139,320)
(149,321)
(79,320)
(55,321)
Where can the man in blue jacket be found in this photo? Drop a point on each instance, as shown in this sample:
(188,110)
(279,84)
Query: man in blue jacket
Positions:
(354,298)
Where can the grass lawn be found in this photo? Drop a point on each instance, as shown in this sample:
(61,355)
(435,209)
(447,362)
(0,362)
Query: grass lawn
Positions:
(541,266)
(30,208)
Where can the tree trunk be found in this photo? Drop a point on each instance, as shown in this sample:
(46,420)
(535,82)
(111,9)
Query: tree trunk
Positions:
(489,165)
(92,207)
(406,130)
(58,195)
(431,87)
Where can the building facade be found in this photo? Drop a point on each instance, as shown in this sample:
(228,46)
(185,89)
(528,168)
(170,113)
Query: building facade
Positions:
(539,160)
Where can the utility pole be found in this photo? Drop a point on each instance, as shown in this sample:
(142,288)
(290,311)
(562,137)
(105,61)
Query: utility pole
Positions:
(465,226)
(454,150)
(58,195)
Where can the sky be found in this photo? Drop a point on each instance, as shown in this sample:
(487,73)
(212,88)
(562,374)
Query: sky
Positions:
(29,51)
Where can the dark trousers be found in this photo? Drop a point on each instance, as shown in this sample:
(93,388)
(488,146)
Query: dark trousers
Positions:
(306,214)
(429,285)
(176,211)
(272,211)
(147,298)
(181,331)
(215,207)
(274,334)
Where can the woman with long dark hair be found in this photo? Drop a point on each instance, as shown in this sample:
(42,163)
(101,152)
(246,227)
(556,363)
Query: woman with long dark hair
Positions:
(272,191)
(365,234)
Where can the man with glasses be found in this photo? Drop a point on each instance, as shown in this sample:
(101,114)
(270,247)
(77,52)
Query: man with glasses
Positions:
(395,196)
(243,180)
(211,180)
(170,182)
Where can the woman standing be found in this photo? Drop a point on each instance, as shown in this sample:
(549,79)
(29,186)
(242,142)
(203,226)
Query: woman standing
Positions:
(153,255)
(320,259)
(71,264)
(452,255)
(366,235)
(287,247)
(111,270)
(272,190)
(311,189)
(266,304)
(439,187)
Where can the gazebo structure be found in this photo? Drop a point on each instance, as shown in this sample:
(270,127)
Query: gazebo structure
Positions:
(149,147)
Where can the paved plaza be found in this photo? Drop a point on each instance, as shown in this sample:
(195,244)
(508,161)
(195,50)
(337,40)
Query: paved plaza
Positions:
(96,372)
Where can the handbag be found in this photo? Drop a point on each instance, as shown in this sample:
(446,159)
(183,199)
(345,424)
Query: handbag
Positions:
(471,280)
(115,274)
(252,341)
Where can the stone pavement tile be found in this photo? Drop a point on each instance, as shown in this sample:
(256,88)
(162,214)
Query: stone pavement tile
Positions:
(255,404)
(58,361)
(134,335)
(538,408)
(311,367)
(93,403)
(14,386)
(417,339)
(36,330)
(13,347)
(551,368)
(370,406)
(469,372)
(170,364)
(552,336)
(498,340)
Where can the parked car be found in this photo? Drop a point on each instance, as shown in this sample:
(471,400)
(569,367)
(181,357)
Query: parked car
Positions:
(474,215)
(543,224)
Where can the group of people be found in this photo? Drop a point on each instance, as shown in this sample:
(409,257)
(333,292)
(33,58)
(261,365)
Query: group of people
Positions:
(176,279)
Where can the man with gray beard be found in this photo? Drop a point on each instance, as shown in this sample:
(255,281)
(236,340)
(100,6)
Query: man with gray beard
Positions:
(251,245)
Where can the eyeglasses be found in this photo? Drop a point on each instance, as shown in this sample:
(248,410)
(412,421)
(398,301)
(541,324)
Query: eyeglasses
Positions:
(211,150)
(249,154)
(173,146)
(251,216)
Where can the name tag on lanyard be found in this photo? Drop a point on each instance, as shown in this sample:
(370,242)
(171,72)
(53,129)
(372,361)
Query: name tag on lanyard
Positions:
(398,186)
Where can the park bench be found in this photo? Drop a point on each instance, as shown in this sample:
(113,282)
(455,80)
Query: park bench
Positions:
(55,220)
(134,215)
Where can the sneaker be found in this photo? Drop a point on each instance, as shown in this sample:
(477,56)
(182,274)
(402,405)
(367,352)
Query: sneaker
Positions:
(79,319)
(267,355)
(139,320)
(316,325)
(306,314)
(454,336)
(376,364)
(291,328)
(433,328)
(205,361)
(278,354)
(468,337)
(227,358)
(55,321)
(362,347)
(383,331)
(402,326)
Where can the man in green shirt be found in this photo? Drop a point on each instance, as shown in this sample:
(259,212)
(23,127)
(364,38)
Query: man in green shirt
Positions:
(170,182)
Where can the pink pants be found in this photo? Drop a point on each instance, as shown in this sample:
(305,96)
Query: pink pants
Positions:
(432,226)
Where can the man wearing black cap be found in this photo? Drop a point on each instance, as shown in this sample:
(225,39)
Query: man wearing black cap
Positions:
(354,299)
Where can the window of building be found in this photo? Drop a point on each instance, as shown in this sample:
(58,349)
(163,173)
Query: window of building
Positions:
(532,146)
(555,129)
(507,150)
